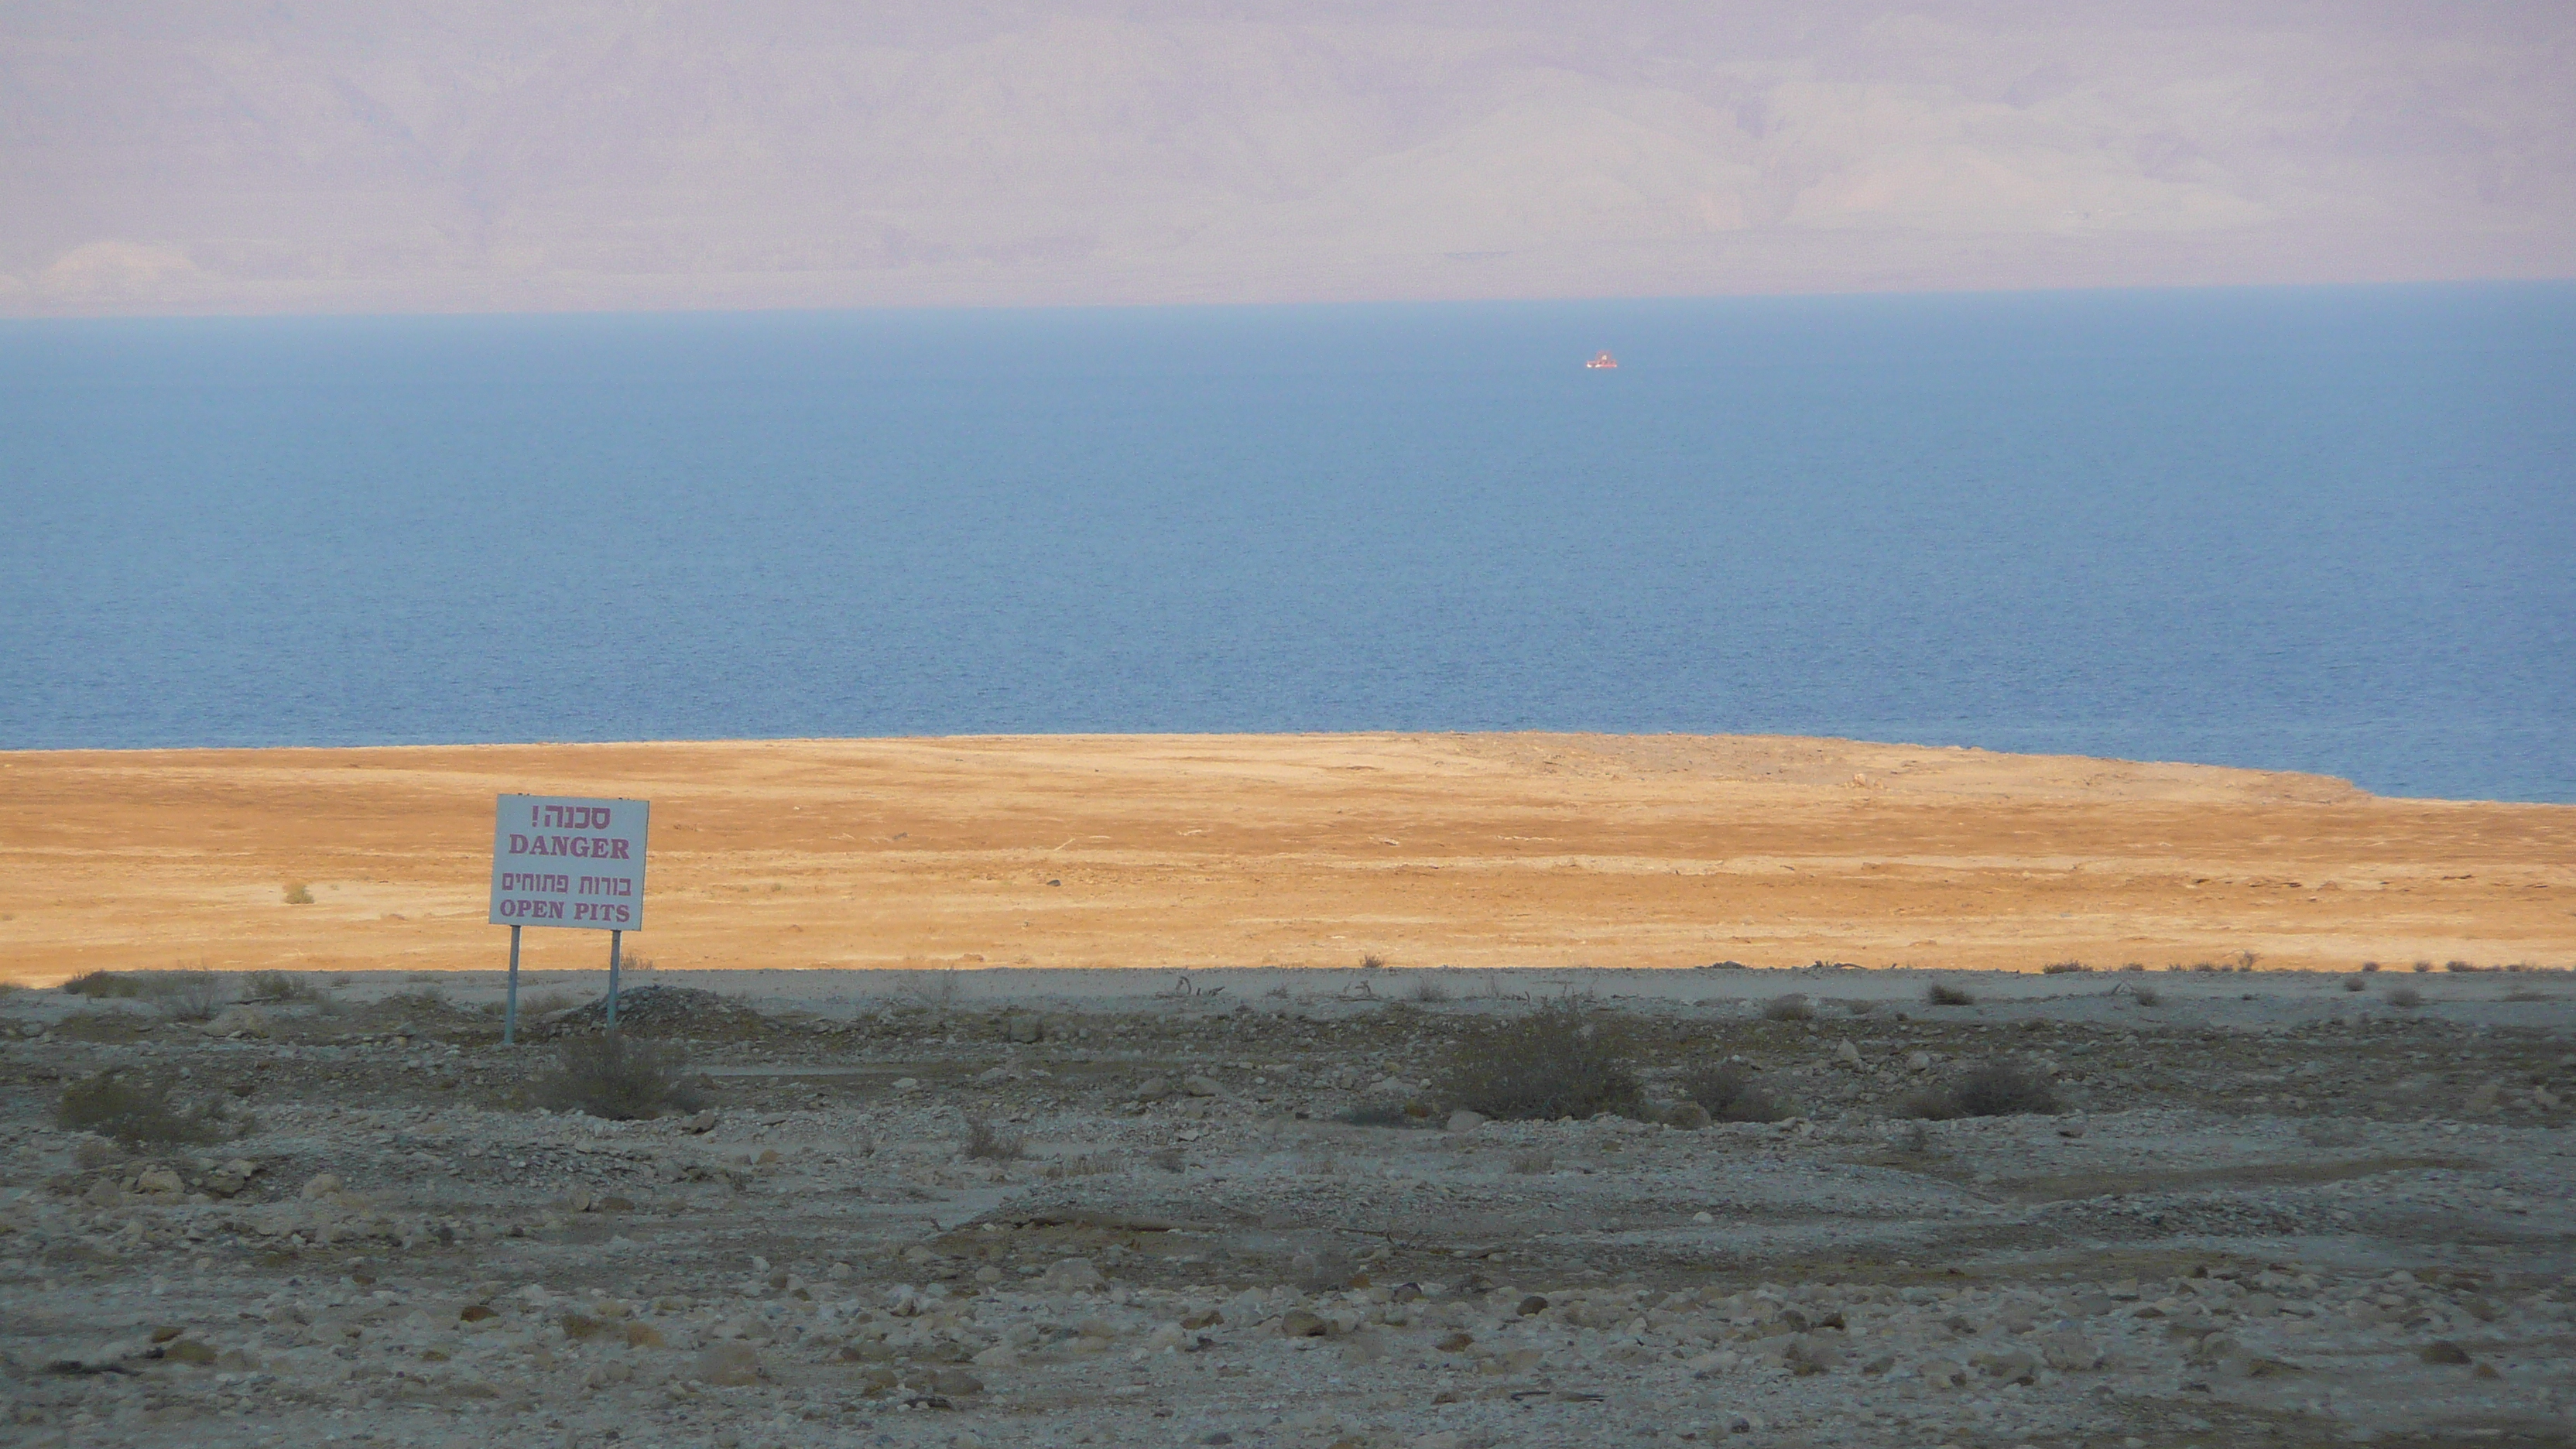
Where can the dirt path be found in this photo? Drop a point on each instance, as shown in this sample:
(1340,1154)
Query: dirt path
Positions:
(1192,851)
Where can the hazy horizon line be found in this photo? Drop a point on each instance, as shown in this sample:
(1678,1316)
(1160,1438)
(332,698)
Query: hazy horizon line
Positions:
(812,309)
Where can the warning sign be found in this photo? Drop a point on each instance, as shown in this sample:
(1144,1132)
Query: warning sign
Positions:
(566,862)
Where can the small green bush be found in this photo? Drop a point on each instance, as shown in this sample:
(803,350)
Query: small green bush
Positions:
(140,1113)
(1378,1114)
(1553,1062)
(298,893)
(1942,993)
(1727,1092)
(616,1078)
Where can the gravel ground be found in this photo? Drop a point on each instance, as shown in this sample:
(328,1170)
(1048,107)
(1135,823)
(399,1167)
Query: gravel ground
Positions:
(2271,1211)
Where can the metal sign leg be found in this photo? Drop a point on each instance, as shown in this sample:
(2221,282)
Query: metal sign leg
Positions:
(613,939)
(510,1012)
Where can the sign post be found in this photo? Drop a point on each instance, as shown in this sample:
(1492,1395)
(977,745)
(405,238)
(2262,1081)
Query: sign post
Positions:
(567,862)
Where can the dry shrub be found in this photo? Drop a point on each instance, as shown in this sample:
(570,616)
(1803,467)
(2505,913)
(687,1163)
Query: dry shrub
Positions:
(1792,1007)
(279,987)
(190,994)
(2147,996)
(298,893)
(987,1143)
(98,984)
(1858,1006)
(140,1113)
(1430,989)
(2370,966)
(420,999)
(2063,968)
(2000,1089)
(617,1078)
(112,1025)
(1533,1163)
(2355,983)
(1728,1093)
(2422,967)
(1551,1063)
(1994,1089)
(2406,996)
(1169,1159)
(1942,993)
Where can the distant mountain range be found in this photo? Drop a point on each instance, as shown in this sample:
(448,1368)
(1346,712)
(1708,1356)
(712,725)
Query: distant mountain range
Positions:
(552,153)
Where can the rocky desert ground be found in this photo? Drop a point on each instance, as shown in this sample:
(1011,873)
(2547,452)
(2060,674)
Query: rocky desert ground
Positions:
(960,1207)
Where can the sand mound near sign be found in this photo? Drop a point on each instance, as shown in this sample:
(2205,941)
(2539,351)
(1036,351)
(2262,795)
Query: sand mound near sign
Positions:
(668,1011)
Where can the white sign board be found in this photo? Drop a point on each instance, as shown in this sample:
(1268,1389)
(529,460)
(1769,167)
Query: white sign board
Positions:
(560,862)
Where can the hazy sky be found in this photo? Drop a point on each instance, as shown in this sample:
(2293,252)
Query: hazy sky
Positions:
(283,156)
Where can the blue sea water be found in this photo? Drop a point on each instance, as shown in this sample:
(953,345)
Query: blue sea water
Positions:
(2316,529)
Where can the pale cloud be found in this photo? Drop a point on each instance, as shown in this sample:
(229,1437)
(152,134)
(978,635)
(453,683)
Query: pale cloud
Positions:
(551,153)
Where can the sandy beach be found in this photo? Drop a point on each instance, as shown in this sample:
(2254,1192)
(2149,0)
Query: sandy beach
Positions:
(1199,852)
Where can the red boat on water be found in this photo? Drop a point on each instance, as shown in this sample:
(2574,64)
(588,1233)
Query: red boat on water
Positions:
(1602,359)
